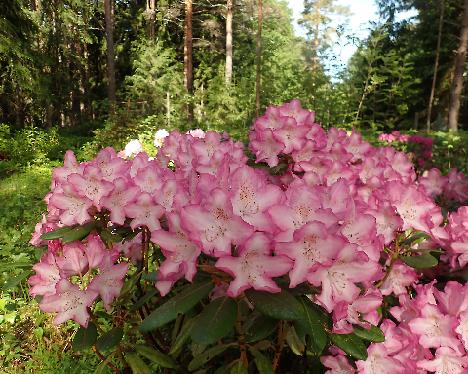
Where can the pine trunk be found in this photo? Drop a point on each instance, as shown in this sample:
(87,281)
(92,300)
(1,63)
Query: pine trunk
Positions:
(151,16)
(228,73)
(109,17)
(188,64)
(436,65)
(258,80)
(457,82)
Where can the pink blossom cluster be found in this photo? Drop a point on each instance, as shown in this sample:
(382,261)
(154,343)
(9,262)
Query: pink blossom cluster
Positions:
(424,144)
(453,186)
(70,277)
(427,333)
(325,220)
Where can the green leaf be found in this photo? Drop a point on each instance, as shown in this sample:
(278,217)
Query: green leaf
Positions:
(258,327)
(423,261)
(416,238)
(85,337)
(137,365)
(215,321)
(239,368)
(208,355)
(351,344)
(294,341)
(157,357)
(313,324)
(263,364)
(110,339)
(181,338)
(281,305)
(14,281)
(374,334)
(78,232)
(101,368)
(181,303)
(15,265)
(56,234)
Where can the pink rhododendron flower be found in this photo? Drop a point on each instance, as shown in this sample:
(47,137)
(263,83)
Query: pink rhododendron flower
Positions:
(337,364)
(214,224)
(446,361)
(312,245)
(69,302)
(73,208)
(122,195)
(109,281)
(181,253)
(145,212)
(73,260)
(400,277)
(254,266)
(379,362)
(46,277)
(91,185)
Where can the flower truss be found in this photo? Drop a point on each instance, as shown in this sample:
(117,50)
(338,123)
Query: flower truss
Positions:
(323,210)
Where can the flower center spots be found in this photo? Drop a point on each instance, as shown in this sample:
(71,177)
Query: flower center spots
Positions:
(247,198)
(220,214)
(214,231)
(309,247)
(408,211)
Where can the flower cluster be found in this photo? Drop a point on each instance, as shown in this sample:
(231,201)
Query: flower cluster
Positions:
(428,333)
(324,208)
(420,145)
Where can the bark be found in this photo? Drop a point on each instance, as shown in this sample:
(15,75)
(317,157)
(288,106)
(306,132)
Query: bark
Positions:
(188,63)
(457,82)
(436,65)
(228,73)
(109,17)
(258,80)
(151,16)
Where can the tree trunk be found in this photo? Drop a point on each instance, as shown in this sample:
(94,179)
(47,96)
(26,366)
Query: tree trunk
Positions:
(258,80)
(228,74)
(457,82)
(188,64)
(436,65)
(109,16)
(151,15)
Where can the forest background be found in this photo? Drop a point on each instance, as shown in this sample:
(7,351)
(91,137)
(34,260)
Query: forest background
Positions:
(85,74)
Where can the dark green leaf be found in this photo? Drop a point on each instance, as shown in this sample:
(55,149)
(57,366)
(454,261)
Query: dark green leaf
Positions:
(258,327)
(215,321)
(157,357)
(262,362)
(313,324)
(110,339)
(374,334)
(78,232)
(181,338)
(85,337)
(137,365)
(56,234)
(181,303)
(351,344)
(146,297)
(281,305)
(206,356)
(294,341)
(423,261)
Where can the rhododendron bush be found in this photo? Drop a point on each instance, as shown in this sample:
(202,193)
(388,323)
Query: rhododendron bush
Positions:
(308,250)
